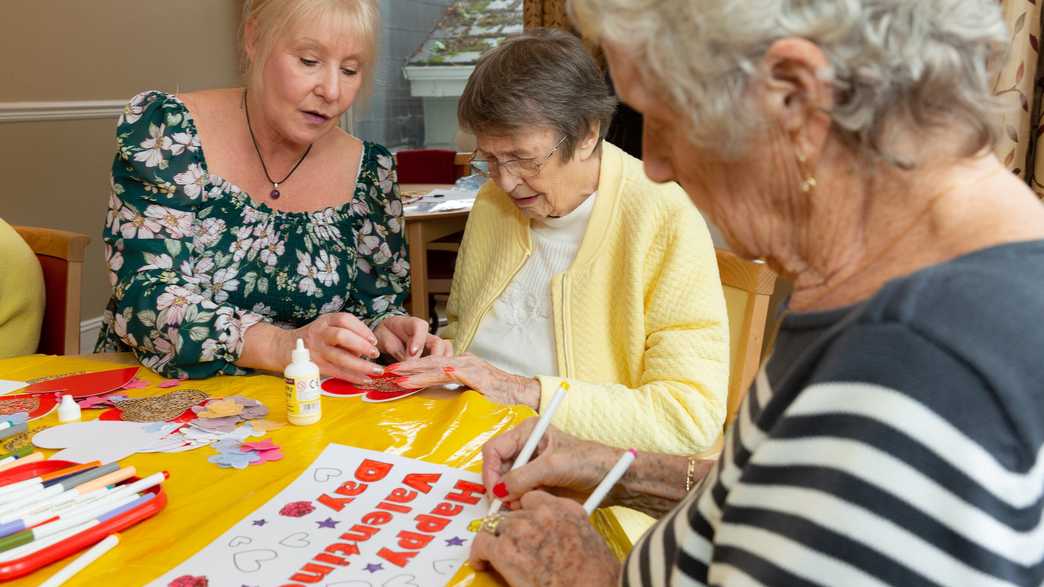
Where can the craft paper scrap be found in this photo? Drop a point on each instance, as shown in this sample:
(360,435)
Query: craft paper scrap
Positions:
(7,386)
(354,517)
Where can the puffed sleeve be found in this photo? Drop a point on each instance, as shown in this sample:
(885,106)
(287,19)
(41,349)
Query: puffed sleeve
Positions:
(383,269)
(162,310)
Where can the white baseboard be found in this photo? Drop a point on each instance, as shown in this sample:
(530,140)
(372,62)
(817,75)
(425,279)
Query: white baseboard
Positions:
(61,110)
(89,330)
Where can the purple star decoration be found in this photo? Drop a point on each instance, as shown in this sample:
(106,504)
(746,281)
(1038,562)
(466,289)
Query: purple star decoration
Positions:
(455,541)
(328,523)
(373,568)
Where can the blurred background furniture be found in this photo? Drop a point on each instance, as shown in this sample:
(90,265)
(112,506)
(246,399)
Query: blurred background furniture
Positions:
(60,253)
(433,237)
(425,166)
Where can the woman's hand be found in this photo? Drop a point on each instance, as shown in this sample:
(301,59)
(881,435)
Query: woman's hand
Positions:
(548,542)
(406,337)
(339,344)
(470,371)
(562,462)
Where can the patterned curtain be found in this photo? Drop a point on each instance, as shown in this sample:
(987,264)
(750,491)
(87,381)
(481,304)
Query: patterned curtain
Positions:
(1023,123)
(546,13)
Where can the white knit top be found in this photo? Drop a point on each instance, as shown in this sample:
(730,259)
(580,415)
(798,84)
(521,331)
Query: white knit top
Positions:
(517,334)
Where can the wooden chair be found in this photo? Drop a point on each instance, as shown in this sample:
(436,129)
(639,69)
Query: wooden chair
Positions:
(61,257)
(425,165)
(748,285)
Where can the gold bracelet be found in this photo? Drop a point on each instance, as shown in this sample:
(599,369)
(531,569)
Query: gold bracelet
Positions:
(690,475)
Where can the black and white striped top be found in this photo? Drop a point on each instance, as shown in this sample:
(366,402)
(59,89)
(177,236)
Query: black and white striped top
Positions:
(898,442)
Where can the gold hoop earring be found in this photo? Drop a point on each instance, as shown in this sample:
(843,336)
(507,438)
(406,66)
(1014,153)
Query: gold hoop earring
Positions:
(808,180)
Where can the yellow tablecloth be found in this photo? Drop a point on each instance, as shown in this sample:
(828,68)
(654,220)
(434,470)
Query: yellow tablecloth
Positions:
(205,500)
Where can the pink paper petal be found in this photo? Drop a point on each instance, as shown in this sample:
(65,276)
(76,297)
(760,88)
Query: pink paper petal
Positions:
(261,446)
(267,456)
(100,401)
(136,383)
(169,383)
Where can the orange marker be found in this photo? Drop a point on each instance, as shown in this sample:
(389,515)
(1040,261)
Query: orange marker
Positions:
(68,471)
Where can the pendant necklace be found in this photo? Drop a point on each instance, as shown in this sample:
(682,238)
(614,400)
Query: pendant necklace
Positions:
(274,194)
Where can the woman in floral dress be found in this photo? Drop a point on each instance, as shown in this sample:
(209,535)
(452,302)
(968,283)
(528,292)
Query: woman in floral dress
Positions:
(243,219)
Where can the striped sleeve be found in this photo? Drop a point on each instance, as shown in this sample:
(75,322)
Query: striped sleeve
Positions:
(896,463)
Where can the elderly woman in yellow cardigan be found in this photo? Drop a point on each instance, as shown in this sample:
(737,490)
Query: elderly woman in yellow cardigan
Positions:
(574,266)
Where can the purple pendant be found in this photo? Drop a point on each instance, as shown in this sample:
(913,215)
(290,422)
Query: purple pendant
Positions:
(274,194)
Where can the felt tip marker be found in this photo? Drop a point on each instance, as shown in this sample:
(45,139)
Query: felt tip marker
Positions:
(534,437)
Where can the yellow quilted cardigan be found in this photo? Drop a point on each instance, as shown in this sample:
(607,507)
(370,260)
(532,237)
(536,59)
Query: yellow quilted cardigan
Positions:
(640,325)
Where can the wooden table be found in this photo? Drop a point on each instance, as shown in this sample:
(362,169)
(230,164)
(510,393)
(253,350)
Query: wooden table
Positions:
(421,229)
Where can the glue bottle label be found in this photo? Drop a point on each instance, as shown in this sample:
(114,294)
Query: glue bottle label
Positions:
(302,396)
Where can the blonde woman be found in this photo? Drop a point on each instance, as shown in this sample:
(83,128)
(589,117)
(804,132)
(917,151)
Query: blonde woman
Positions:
(242,219)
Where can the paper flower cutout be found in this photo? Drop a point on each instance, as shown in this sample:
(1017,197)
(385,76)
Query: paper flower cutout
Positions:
(220,408)
(237,460)
(297,509)
(263,426)
(260,445)
(234,453)
(189,581)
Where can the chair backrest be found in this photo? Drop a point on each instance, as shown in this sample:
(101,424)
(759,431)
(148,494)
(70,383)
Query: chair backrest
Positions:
(426,166)
(461,165)
(748,286)
(61,257)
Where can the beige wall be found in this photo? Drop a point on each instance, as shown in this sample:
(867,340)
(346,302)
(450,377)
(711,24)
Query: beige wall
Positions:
(56,173)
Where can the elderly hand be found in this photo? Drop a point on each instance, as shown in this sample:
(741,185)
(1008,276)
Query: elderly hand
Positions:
(548,542)
(407,337)
(336,342)
(562,462)
(471,371)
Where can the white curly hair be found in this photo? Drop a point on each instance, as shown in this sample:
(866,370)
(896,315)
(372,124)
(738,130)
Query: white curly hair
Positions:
(922,63)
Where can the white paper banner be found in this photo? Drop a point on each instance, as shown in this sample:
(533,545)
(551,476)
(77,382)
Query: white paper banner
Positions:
(354,518)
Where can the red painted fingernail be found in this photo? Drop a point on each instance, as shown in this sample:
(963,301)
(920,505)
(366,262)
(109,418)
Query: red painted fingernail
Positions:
(448,370)
(500,490)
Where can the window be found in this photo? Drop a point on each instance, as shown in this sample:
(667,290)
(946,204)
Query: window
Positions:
(428,49)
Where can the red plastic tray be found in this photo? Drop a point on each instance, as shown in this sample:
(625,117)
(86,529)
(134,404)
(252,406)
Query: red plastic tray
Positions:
(70,546)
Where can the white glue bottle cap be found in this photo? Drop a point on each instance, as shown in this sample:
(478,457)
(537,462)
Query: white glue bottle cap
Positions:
(68,409)
(300,354)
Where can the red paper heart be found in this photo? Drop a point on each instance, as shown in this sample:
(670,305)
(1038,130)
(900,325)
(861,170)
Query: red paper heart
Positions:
(86,384)
(384,388)
(45,403)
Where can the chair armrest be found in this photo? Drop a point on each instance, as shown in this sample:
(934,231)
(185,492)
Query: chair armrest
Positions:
(53,242)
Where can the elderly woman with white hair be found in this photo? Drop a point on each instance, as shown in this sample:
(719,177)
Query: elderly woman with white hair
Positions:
(576,268)
(895,434)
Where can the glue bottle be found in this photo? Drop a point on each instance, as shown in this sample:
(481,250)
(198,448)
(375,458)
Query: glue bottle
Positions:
(303,405)
(68,409)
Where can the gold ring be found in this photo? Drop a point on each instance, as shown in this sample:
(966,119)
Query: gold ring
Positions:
(491,524)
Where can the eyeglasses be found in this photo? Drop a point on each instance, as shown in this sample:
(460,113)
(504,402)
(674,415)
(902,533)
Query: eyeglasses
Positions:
(521,168)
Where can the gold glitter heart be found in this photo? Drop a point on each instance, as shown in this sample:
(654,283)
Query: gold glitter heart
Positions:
(160,408)
(24,404)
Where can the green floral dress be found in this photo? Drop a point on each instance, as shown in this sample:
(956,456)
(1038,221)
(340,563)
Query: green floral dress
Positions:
(194,261)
